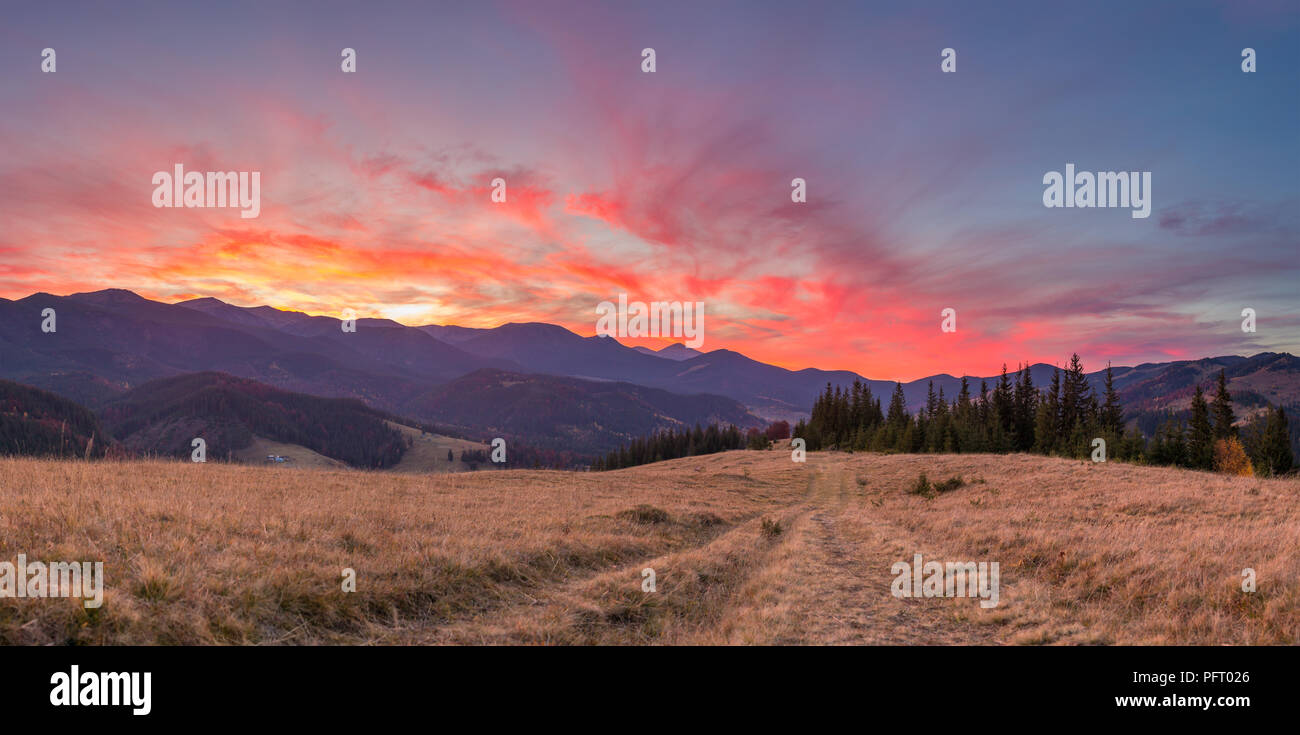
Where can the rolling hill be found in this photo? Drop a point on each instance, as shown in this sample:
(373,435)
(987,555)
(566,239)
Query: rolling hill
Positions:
(554,412)
(38,422)
(229,413)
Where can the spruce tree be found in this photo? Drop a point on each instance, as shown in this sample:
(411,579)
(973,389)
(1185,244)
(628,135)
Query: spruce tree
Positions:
(1112,414)
(1004,407)
(984,413)
(943,441)
(1132,445)
(898,418)
(1047,427)
(1275,456)
(1075,401)
(920,436)
(857,411)
(1200,438)
(1174,444)
(964,418)
(1026,408)
(1222,410)
(1044,426)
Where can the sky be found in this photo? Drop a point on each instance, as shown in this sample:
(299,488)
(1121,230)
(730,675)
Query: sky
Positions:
(924,188)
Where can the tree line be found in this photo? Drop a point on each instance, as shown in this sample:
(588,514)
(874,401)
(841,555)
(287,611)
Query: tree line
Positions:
(1062,419)
(672,444)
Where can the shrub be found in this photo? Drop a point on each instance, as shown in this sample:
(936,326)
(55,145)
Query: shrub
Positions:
(756,440)
(778,430)
(1230,458)
(925,488)
(771,528)
(952,483)
(704,520)
(645,514)
(921,486)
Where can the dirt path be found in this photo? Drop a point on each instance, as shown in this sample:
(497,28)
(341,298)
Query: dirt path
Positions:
(843,593)
(824,580)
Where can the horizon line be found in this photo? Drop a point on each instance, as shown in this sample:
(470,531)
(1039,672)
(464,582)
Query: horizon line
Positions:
(621,344)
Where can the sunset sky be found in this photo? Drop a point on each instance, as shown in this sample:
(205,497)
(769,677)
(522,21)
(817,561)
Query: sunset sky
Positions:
(924,188)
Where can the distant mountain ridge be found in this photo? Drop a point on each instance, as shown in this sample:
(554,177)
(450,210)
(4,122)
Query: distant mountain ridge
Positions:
(554,412)
(164,416)
(675,351)
(110,341)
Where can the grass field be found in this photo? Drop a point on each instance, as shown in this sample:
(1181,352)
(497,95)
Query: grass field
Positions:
(297,455)
(428,452)
(747,548)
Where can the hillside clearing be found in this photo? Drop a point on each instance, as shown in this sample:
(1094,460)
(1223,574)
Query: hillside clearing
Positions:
(295,455)
(428,452)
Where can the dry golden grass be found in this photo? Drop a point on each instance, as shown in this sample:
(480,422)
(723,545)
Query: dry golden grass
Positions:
(428,452)
(298,455)
(228,554)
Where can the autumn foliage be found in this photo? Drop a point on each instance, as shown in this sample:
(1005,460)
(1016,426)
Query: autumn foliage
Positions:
(1230,458)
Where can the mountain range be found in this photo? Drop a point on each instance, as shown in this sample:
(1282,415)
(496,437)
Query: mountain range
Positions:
(518,378)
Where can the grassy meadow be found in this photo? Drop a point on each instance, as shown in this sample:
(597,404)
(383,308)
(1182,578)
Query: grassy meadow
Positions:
(747,547)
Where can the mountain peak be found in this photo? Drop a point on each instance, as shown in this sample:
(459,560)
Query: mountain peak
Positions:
(202,301)
(531,329)
(676,351)
(107,295)
(679,351)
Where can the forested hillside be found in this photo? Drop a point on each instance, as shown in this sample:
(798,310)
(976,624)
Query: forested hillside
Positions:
(165,415)
(37,422)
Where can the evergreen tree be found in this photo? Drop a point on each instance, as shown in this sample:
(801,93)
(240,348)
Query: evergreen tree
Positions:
(1047,424)
(1274,456)
(1026,410)
(1132,446)
(964,418)
(1013,415)
(1074,419)
(942,429)
(1221,409)
(984,419)
(898,418)
(1200,438)
(1044,426)
(818,421)
(1169,445)
(1111,418)
(918,439)
(856,407)
(1004,413)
